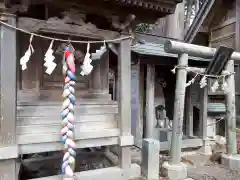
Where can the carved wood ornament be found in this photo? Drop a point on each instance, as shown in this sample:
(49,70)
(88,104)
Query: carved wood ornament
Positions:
(77,18)
(14,8)
(126,25)
(72,17)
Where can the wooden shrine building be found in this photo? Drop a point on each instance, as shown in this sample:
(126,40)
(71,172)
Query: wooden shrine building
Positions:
(31,99)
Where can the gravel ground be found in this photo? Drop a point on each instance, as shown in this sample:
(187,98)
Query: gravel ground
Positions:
(202,168)
(212,173)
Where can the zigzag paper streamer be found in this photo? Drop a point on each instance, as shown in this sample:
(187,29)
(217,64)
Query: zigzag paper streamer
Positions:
(98,54)
(67,135)
(203,82)
(24,60)
(87,67)
(49,60)
(215,86)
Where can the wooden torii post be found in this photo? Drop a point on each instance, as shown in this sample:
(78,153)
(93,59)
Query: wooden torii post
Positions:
(174,168)
(9,150)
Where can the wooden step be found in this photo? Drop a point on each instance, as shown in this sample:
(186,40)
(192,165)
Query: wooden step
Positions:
(54,111)
(51,85)
(55,128)
(49,120)
(34,138)
(31,96)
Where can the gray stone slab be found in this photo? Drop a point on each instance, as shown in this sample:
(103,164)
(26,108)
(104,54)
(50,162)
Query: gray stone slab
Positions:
(175,171)
(231,161)
(150,158)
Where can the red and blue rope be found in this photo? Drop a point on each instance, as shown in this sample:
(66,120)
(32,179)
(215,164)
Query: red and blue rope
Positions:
(67,123)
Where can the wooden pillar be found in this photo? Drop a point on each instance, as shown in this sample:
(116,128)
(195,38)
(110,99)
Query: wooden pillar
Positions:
(231,112)
(124,75)
(95,84)
(176,143)
(203,113)
(8,144)
(189,112)
(150,90)
(104,65)
(136,124)
(99,77)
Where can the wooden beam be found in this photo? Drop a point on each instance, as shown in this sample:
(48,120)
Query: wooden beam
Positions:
(177,47)
(58,27)
(8,81)
(56,158)
(224,24)
(186,143)
(164,146)
(56,146)
(104,173)
(201,70)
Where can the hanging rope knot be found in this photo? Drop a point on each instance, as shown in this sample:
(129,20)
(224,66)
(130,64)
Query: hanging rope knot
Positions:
(192,80)
(67,135)
(178,67)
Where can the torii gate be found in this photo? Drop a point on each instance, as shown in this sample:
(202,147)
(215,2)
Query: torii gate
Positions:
(174,168)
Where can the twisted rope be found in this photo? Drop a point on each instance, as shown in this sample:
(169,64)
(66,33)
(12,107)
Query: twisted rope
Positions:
(64,40)
(68,164)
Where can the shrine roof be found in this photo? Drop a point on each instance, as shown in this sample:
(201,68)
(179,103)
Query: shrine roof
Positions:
(153,8)
(157,5)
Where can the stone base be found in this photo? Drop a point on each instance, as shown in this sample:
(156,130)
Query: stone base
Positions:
(175,171)
(231,161)
(150,160)
(206,149)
